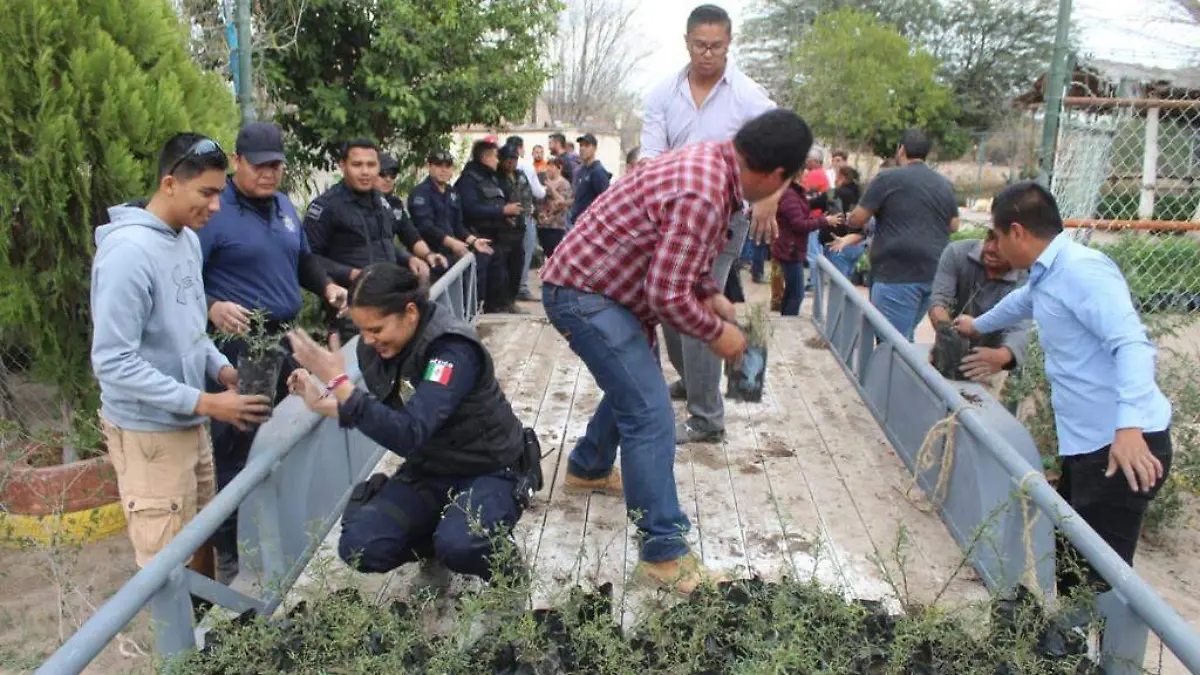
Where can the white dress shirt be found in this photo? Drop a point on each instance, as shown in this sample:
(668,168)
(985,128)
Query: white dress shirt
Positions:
(672,119)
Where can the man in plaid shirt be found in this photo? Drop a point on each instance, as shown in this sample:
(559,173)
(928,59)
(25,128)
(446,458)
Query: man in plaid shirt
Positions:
(642,255)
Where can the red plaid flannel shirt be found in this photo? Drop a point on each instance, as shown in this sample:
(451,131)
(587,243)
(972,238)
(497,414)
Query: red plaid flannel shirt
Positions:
(649,241)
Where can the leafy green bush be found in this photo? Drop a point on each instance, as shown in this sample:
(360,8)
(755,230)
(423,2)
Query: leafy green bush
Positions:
(1163,272)
(91,90)
(1124,206)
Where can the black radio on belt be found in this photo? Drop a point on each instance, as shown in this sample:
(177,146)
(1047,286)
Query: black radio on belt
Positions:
(529,470)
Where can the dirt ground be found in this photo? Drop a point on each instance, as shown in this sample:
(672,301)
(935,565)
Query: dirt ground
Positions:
(34,584)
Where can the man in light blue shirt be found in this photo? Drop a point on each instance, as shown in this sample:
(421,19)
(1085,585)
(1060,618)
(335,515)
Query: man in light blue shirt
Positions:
(709,100)
(1109,413)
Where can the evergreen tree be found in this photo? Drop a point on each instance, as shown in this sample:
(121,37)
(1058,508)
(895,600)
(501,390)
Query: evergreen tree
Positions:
(89,91)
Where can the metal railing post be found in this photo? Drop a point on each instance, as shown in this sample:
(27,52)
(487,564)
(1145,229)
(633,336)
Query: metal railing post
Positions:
(171,611)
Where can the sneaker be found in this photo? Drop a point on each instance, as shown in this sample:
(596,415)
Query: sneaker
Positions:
(432,580)
(682,575)
(687,432)
(610,484)
(678,391)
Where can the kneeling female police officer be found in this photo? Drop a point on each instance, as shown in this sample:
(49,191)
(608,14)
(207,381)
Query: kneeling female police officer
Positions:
(431,397)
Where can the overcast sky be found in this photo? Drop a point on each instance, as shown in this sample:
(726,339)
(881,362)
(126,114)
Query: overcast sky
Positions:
(1134,31)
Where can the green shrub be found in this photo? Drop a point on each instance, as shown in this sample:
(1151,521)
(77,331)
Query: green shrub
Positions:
(1124,206)
(91,90)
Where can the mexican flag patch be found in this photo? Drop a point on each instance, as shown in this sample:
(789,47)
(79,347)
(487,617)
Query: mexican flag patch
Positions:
(439,371)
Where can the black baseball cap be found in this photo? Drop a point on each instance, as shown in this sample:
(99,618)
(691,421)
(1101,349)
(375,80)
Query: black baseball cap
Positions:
(440,157)
(508,152)
(260,143)
(587,138)
(387,163)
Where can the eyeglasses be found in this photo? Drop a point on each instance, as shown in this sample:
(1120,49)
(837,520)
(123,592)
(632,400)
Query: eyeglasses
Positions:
(700,48)
(201,148)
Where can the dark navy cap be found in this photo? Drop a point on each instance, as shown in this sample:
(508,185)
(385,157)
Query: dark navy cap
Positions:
(260,143)
(388,163)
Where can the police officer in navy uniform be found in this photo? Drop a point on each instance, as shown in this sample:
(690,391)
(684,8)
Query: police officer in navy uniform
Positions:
(430,396)
(437,210)
(351,226)
(488,213)
(409,235)
(256,258)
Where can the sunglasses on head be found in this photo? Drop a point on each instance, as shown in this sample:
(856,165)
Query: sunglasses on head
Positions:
(202,148)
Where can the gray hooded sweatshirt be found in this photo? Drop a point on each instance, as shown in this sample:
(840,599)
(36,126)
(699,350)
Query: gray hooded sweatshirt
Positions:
(150,350)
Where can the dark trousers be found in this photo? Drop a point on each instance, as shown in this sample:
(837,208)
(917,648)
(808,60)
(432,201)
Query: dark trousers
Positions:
(456,520)
(793,288)
(1108,505)
(549,238)
(231,446)
(504,275)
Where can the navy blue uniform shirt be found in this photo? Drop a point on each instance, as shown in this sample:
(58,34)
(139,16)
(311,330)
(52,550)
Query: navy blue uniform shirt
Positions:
(590,180)
(405,430)
(252,256)
(436,213)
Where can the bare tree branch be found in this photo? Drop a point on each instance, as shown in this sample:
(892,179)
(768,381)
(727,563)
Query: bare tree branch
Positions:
(595,52)
(1192,7)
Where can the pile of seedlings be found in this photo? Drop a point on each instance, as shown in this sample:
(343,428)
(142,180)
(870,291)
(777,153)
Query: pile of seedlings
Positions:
(749,626)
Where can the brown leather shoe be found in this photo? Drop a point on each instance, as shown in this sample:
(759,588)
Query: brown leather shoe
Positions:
(609,485)
(682,575)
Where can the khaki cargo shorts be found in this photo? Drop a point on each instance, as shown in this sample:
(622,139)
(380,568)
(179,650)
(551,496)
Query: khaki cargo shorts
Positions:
(164,477)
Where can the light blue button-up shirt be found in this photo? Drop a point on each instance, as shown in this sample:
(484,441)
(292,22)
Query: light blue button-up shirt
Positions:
(672,119)
(1098,359)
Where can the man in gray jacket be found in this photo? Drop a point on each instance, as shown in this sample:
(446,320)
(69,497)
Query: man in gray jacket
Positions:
(150,351)
(972,278)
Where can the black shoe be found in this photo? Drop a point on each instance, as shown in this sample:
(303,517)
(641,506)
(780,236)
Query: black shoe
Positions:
(678,391)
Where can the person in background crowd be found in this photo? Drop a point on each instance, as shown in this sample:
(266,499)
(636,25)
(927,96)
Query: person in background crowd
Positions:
(971,279)
(516,189)
(796,221)
(631,160)
(854,243)
(817,185)
(538,191)
(558,148)
(539,160)
(710,99)
(552,211)
(151,353)
(410,236)
(842,252)
(350,225)
(1112,421)
(437,211)
(455,495)
(591,179)
(488,212)
(837,160)
(607,299)
(915,211)
(256,258)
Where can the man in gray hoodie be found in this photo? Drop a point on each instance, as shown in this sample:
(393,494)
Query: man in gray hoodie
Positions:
(150,351)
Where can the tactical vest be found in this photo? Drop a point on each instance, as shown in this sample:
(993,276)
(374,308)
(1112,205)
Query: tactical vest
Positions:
(489,193)
(481,436)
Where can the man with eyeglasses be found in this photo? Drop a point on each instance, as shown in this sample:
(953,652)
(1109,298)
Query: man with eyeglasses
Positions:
(709,100)
(151,355)
(256,260)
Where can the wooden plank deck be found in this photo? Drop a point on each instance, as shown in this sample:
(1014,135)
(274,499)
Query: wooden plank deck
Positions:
(805,485)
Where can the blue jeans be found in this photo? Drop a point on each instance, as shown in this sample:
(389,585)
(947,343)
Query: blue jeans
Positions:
(814,252)
(793,288)
(903,305)
(846,259)
(635,413)
(531,242)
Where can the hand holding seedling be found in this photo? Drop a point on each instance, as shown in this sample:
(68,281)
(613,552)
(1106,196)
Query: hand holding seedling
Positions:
(229,317)
(326,364)
(231,407)
(1132,456)
(965,325)
(335,295)
(228,377)
(983,362)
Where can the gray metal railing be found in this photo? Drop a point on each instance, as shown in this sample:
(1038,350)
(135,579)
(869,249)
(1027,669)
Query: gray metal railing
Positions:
(908,397)
(292,491)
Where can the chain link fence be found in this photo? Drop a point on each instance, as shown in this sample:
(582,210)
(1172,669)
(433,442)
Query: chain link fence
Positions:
(35,424)
(1127,178)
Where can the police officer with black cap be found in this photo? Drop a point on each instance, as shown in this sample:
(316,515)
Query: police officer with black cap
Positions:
(351,225)
(410,236)
(437,211)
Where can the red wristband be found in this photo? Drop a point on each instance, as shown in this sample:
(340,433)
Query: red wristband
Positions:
(335,383)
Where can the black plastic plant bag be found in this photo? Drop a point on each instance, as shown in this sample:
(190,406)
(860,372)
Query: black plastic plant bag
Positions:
(949,349)
(745,380)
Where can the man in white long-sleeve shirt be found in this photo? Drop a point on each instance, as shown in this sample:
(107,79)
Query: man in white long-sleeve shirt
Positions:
(539,192)
(709,100)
